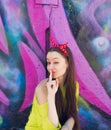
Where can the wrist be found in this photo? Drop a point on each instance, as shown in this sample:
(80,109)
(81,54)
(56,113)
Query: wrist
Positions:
(51,98)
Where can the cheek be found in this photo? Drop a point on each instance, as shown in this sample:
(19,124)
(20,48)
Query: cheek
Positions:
(63,68)
(47,68)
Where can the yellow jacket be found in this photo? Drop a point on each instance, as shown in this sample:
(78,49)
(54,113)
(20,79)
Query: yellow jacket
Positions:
(38,118)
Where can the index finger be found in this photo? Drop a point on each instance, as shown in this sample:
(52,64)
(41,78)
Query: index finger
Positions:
(50,76)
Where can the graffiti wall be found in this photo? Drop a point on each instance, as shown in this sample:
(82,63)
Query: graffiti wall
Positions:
(25,26)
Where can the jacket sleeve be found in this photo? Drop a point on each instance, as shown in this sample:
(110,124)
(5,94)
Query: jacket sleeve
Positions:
(48,124)
(77,90)
(33,121)
(77,94)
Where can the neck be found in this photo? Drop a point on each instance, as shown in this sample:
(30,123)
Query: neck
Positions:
(61,81)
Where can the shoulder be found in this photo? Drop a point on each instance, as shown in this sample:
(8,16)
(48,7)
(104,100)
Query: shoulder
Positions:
(41,86)
(41,91)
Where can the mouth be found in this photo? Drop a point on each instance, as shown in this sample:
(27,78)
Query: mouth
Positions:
(53,74)
(4,99)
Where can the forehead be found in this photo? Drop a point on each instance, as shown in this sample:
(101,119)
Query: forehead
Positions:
(54,55)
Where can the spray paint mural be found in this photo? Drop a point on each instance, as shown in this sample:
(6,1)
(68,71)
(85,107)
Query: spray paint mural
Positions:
(24,28)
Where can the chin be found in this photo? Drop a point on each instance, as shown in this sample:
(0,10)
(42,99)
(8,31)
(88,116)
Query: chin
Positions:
(54,77)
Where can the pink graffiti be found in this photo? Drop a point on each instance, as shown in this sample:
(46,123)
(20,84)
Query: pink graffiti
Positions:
(90,87)
(3,41)
(33,73)
(4,99)
(4,48)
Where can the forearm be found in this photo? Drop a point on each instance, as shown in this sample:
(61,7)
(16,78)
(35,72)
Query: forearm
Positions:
(52,87)
(69,124)
(52,112)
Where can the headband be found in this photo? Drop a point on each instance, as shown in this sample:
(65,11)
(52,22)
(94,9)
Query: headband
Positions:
(62,47)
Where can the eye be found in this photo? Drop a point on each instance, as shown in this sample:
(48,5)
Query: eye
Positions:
(48,63)
(56,62)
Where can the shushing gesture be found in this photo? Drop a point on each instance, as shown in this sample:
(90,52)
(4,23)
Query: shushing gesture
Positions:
(52,86)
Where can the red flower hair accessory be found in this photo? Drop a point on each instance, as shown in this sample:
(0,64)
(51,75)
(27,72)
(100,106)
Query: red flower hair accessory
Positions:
(62,47)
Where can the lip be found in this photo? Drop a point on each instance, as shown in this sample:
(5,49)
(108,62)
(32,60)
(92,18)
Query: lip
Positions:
(4,99)
(53,74)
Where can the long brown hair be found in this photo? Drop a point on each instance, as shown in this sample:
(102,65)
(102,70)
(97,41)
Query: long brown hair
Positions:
(70,84)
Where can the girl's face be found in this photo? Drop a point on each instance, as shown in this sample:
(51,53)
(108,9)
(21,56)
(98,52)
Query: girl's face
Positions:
(56,64)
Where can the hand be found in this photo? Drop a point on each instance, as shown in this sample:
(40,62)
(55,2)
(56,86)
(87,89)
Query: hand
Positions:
(52,86)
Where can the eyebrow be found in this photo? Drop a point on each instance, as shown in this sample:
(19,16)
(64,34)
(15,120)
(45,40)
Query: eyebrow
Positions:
(53,58)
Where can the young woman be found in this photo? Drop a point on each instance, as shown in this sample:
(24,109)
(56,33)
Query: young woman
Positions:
(55,100)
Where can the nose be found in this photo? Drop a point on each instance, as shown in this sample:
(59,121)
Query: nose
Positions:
(51,67)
